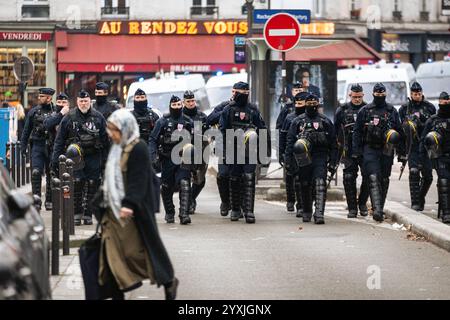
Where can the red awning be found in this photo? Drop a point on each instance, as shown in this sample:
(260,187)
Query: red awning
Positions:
(347,53)
(128,53)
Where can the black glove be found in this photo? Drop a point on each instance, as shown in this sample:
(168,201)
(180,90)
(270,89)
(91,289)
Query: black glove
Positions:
(331,169)
(402,159)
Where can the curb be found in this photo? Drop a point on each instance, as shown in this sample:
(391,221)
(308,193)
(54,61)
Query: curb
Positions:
(434,231)
(272,194)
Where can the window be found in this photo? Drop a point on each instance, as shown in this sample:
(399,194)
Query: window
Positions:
(35,9)
(115,7)
(204,7)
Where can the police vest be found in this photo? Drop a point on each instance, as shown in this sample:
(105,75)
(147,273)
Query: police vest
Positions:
(85,132)
(313,130)
(39,130)
(146,123)
(376,125)
(173,125)
(241,118)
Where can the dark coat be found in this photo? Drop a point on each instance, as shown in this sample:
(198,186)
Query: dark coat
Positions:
(142,195)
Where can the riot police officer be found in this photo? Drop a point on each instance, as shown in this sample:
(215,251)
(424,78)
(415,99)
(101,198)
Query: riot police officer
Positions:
(85,127)
(344,121)
(146,117)
(288,107)
(244,119)
(102,104)
(173,175)
(223,175)
(52,122)
(199,170)
(40,143)
(377,133)
(293,186)
(413,116)
(436,141)
(311,143)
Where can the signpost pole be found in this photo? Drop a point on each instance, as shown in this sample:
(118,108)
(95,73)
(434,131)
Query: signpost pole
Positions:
(283,76)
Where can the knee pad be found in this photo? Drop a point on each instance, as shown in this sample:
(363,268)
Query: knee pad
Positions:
(36,173)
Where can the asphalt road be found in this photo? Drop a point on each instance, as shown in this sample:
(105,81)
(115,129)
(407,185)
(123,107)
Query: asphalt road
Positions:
(280,257)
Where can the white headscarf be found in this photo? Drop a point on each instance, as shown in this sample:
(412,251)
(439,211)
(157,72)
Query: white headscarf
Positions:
(113,186)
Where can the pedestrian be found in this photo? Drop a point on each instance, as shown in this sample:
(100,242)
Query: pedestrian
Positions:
(198,169)
(241,115)
(311,143)
(377,132)
(173,176)
(413,116)
(41,145)
(146,117)
(436,141)
(292,178)
(85,127)
(132,250)
(344,122)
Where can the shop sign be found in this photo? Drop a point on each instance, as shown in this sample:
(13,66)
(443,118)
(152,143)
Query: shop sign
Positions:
(438,45)
(25,36)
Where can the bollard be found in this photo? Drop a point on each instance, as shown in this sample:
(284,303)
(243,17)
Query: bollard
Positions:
(62,169)
(65,217)
(23,162)
(13,162)
(55,225)
(28,167)
(18,165)
(70,209)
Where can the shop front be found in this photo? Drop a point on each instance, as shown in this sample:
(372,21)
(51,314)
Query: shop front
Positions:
(38,46)
(122,52)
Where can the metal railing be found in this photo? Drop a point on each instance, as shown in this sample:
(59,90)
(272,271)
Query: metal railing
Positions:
(18,164)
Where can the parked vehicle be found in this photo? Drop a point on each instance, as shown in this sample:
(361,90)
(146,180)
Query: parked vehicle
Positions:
(24,246)
(160,89)
(219,87)
(434,78)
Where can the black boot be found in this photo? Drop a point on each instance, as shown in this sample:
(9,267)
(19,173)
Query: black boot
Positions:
(298,195)
(48,191)
(350,194)
(92,188)
(36,177)
(376,197)
(414,188)
(306,201)
(78,186)
(249,197)
(444,199)
(321,198)
(235,191)
(185,196)
(167,198)
(290,193)
(425,185)
(223,184)
(363,197)
(196,189)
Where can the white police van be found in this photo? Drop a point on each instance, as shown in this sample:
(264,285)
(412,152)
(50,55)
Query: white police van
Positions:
(434,77)
(219,87)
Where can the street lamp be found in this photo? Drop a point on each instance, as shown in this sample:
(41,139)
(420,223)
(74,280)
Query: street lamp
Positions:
(249,5)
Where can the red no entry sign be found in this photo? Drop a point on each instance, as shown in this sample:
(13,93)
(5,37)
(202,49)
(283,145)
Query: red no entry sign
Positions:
(282,32)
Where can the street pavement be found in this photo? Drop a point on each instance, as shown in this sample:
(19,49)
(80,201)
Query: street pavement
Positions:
(280,257)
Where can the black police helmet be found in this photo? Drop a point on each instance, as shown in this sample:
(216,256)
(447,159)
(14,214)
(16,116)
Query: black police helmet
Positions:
(432,139)
(392,137)
(62,96)
(47,91)
(416,87)
(379,88)
(241,85)
(140,92)
(174,99)
(188,94)
(75,153)
(356,88)
(101,86)
(83,94)
(301,146)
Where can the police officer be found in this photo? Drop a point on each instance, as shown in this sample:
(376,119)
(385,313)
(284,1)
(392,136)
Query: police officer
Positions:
(146,117)
(344,122)
(223,175)
(173,175)
(413,116)
(199,171)
(102,104)
(292,179)
(240,114)
(288,107)
(85,127)
(52,122)
(40,143)
(377,132)
(311,143)
(436,140)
